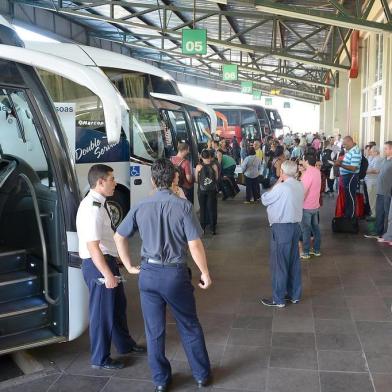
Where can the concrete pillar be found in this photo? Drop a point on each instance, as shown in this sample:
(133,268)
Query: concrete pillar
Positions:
(340,105)
(354,109)
(386,119)
(328,114)
(321,121)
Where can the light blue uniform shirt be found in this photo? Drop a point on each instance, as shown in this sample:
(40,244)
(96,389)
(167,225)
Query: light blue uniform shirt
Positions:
(285,202)
(251,166)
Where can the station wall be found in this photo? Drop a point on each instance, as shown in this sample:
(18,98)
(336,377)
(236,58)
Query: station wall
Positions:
(361,107)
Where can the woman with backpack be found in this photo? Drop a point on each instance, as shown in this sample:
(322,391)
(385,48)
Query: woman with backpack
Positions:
(206,174)
(251,167)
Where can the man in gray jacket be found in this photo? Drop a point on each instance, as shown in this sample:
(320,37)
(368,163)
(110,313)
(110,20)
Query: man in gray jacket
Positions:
(284,204)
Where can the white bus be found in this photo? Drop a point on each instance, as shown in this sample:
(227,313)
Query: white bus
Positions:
(159,118)
(43,298)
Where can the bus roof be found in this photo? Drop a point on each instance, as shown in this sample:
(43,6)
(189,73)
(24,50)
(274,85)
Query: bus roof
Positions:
(233,107)
(113,104)
(90,56)
(190,102)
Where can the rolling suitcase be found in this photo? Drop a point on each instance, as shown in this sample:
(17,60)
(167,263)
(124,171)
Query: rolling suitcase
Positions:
(345,225)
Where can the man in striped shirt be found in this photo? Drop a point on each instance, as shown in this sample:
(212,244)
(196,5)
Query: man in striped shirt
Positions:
(349,170)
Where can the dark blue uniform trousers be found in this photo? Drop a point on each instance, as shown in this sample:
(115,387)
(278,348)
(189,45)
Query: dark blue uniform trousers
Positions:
(160,286)
(107,310)
(285,262)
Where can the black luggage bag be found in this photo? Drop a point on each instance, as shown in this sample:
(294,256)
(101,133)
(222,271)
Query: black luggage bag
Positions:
(227,188)
(345,225)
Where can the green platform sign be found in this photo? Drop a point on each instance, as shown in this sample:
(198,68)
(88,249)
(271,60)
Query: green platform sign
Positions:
(246,87)
(194,41)
(286,105)
(230,72)
(268,101)
(257,94)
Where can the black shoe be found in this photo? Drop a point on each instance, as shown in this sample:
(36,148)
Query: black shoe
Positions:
(110,364)
(270,302)
(204,383)
(161,388)
(136,349)
(164,387)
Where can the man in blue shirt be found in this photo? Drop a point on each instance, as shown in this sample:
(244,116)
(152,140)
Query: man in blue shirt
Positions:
(349,170)
(168,226)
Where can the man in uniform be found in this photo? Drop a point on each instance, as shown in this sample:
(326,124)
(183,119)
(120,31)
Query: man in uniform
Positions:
(97,249)
(167,224)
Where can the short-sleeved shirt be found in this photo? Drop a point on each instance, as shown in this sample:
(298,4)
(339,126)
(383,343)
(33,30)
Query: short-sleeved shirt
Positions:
(93,224)
(251,166)
(284,202)
(316,144)
(166,223)
(352,157)
(297,152)
(259,154)
(311,180)
(374,163)
(227,161)
(384,179)
(186,166)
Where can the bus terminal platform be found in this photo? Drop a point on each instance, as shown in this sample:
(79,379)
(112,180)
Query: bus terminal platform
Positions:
(337,339)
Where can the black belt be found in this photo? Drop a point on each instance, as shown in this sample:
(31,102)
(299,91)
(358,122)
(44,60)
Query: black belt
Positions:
(163,263)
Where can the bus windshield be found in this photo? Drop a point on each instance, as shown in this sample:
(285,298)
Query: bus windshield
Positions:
(87,140)
(147,139)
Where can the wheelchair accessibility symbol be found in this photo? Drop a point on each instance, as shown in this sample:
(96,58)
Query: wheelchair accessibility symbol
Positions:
(135,171)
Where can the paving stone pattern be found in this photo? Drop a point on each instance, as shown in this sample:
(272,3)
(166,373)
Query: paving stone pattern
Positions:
(338,339)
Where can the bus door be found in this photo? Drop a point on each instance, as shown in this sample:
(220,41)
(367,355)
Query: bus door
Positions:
(202,128)
(32,256)
(43,298)
(250,127)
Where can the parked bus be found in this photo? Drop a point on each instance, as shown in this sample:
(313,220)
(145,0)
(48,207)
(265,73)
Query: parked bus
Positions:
(43,298)
(275,121)
(156,125)
(265,122)
(241,122)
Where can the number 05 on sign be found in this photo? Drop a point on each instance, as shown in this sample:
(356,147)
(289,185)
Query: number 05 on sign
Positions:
(194,41)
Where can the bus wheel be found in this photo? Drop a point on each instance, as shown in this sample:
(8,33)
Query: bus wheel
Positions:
(119,206)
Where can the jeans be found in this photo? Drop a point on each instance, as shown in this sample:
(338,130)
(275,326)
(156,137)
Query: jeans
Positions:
(383,203)
(388,235)
(350,183)
(252,188)
(309,226)
(285,263)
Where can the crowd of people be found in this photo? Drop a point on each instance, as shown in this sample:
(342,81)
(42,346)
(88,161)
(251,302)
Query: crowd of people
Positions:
(289,175)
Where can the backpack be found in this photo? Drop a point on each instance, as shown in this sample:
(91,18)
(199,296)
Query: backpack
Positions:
(207,179)
(325,157)
(363,167)
(182,176)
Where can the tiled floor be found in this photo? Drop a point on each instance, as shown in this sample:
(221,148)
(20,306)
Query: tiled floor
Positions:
(338,339)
